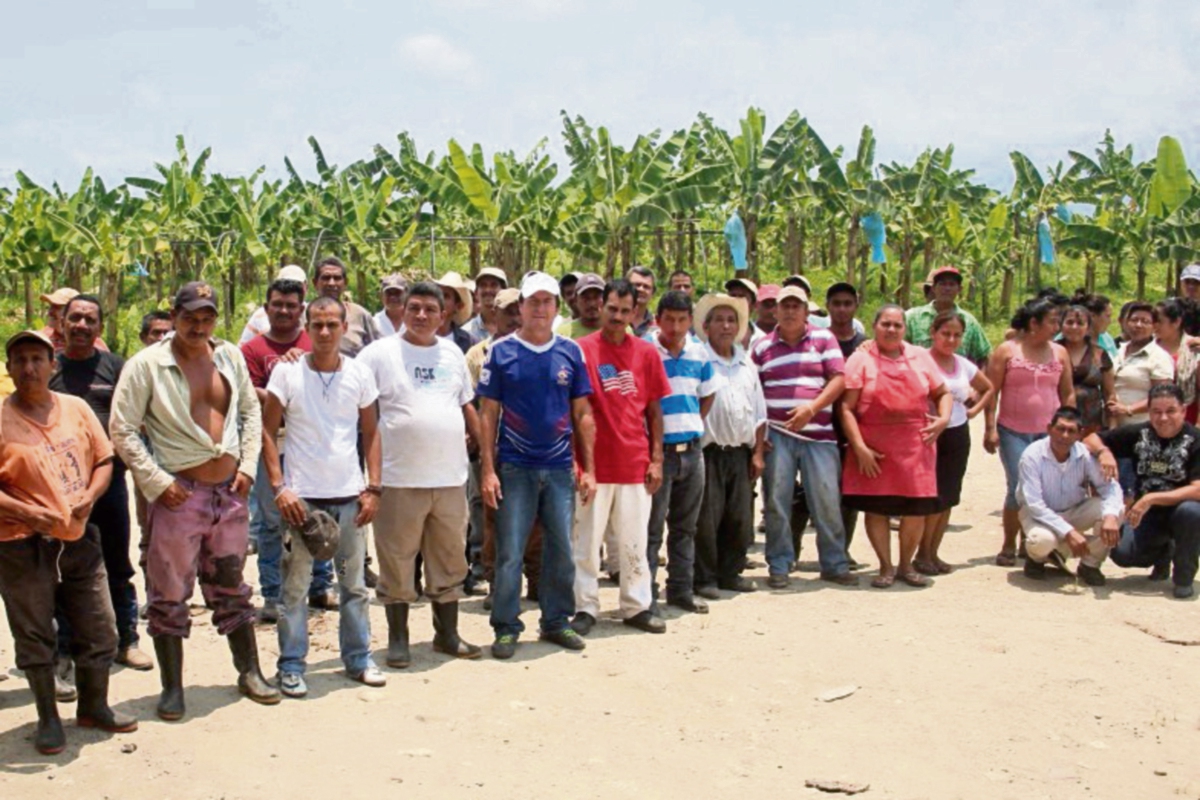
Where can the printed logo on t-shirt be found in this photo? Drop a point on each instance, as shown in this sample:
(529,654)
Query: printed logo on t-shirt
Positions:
(428,378)
(564,377)
(615,380)
(1162,466)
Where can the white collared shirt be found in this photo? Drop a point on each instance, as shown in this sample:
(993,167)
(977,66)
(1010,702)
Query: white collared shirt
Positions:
(739,408)
(1049,487)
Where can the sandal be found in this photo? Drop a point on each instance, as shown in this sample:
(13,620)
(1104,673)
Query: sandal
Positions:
(942,567)
(1006,558)
(926,567)
(915,579)
(883,581)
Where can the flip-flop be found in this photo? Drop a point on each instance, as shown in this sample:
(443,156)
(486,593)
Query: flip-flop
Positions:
(883,581)
(925,567)
(915,579)
(943,568)
(1006,559)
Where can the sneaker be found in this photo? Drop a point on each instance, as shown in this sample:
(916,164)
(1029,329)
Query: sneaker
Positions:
(269,613)
(134,658)
(709,592)
(292,684)
(1183,592)
(583,623)
(841,579)
(566,638)
(1092,576)
(1035,570)
(1161,571)
(504,646)
(779,581)
(739,584)
(371,676)
(646,621)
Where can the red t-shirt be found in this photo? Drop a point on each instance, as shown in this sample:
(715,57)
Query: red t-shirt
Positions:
(625,379)
(262,354)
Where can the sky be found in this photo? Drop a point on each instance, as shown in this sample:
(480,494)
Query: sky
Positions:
(110,84)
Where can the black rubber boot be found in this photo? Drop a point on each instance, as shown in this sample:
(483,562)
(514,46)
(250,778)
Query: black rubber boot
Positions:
(245,659)
(445,636)
(93,710)
(50,738)
(398,656)
(169,650)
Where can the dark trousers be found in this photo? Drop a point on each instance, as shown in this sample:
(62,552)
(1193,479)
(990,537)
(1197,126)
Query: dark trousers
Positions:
(725,529)
(676,507)
(110,515)
(1163,529)
(39,574)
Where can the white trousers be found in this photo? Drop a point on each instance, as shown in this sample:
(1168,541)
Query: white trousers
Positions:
(1085,518)
(623,508)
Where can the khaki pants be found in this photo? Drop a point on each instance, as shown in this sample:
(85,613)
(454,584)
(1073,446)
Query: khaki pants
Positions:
(624,511)
(432,522)
(1085,517)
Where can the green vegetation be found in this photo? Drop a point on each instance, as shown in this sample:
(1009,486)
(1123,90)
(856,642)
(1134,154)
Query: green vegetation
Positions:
(661,200)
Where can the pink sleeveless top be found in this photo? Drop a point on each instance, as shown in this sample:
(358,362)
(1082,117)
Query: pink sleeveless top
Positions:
(1029,396)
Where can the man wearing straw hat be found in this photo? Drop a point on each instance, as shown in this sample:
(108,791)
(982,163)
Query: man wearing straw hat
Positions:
(457,312)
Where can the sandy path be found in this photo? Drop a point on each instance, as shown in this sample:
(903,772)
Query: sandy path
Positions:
(983,686)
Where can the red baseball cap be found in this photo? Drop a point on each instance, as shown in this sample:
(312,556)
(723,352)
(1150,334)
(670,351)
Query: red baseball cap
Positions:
(768,291)
(940,271)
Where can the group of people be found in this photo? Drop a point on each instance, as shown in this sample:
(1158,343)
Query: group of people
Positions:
(546,433)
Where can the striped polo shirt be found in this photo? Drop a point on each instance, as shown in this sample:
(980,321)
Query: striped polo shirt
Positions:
(795,374)
(692,377)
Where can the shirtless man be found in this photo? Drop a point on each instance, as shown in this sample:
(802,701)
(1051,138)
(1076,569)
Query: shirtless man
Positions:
(192,394)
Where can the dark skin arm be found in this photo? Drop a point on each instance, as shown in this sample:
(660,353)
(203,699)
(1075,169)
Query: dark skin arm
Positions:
(489,482)
(585,424)
(368,502)
(654,425)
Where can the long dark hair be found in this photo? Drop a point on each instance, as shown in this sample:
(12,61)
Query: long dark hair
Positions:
(1034,310)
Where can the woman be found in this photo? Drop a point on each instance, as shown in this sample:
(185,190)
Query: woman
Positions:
(954,445)
(1091,368)
(1032,376)
(885,417)
(1140,366)
(1170,322)
(1100,307)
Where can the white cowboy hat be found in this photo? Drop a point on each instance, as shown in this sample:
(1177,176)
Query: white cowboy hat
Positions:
(455,282)
(716,300)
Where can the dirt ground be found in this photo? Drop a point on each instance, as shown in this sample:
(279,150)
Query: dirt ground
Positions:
(985,685)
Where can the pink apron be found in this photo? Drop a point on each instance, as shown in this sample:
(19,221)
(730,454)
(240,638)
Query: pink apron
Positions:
(891,424)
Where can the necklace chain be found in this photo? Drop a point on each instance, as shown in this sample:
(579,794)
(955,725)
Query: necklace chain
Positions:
(326,385)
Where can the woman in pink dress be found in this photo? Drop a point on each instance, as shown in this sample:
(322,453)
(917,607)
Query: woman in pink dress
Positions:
(892,468)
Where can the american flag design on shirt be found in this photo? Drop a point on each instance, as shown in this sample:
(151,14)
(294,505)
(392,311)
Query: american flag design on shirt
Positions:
(614,380)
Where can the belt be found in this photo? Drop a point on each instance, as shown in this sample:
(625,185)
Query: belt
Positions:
(681,447)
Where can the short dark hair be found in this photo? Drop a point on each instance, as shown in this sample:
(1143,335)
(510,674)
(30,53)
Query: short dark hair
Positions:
(643,272)
(673,300)
(620,287)
(426,289)
(1136,307)
(323,302)
(677,273)
(329,261)
(157,315)
(84,298)
(1166,390)
(1067,413)
(285,287)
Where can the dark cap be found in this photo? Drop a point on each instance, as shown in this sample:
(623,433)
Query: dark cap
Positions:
(320,533)
(798,280)
(841,288)
(589,281)
(569,278)
(195,296)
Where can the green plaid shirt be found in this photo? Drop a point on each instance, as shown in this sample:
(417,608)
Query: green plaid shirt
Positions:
(974,345)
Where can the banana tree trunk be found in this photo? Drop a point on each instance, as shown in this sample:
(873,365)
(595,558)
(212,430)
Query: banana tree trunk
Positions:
(473,255)
(1141,277)
(1089,272)
(1114,272)
(851,247)
(691,258)
(1006,291)
(751,249)
(863,266)
(678,243)
(27,281)
(907,253)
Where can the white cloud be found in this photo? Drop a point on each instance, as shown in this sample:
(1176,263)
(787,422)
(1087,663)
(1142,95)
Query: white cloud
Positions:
(435,55)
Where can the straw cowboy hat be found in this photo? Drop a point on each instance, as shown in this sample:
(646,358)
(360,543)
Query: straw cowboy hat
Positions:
(454,281)
(716,300)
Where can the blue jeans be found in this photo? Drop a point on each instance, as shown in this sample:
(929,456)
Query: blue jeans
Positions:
(1012,447)
(548,495)
(1167,534)
(267,527)
(354,623)
(820,467)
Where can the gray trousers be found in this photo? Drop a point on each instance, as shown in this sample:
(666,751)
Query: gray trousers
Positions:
(676,507)
(725,529)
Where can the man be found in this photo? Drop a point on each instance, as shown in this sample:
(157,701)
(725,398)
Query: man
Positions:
(325,399)
(390,318)
(629,384)
(57,304)
(677,501)
(55,463)
(91,375)
(425,406)
(192,395)
(285,339)
(259,323)
(947,283)
(566,287)
(745,289)
(1067,507)
(330,279)
(681,281)
(733,444)
(535,388)
(1189,282)
(488,283)
(1164,520)
(589,300)
(155,327)
(800,367)
(643,318)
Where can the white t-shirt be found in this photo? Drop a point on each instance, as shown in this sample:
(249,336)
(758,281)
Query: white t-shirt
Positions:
(258,324)
(421,394)
(321,413)
(959,386)
(386,328)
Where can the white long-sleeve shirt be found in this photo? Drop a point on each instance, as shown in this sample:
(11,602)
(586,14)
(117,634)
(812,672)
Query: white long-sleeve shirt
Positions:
(739,408)
(1048,486)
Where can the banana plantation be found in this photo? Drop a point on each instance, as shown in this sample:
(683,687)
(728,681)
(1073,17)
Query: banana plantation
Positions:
(665,200)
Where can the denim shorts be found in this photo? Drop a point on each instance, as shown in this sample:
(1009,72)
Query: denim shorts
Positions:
(1012,447)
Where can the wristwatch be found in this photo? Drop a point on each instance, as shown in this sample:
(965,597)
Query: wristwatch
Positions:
(374,489)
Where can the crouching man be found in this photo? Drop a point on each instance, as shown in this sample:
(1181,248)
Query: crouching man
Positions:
(192,395)
(55,462)
(1066,506)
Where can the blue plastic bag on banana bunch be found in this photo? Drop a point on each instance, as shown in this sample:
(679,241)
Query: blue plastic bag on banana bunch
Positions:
(876,231)
(1045,243)
(735,237)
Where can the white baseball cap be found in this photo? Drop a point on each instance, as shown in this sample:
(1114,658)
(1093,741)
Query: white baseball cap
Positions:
(535,282)
(1190,273)
(292,273)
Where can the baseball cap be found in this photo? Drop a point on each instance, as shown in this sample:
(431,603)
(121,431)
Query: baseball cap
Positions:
(393,281)
(798,280)
(1190,273)
(570,277)
(28,336)
(320,533)
(292,273)
(60,297)
(768,291)
(535,282)
(506,297)
(745,283)
(940,271)
(195,296)
(793,291)
(841,288)
(589,281)
(492,272)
